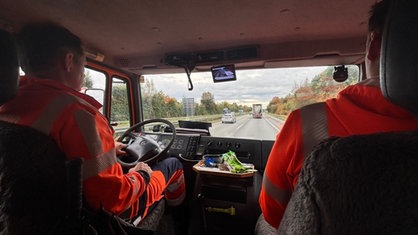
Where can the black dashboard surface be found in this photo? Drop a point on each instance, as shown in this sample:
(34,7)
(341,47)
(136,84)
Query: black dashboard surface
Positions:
(192,147)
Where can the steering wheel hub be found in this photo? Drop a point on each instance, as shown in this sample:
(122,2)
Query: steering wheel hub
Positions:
(142,148)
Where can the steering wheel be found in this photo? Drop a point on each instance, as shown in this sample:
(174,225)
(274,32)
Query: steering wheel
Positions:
(141,148)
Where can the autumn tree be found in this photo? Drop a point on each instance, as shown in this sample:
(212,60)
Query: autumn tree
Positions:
(157,104)
(174,108)
(320,88)
(208,102)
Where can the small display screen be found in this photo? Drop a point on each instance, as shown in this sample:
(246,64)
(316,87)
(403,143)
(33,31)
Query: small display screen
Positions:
(223,73)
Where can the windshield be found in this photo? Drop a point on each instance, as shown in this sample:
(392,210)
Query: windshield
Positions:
(260,99)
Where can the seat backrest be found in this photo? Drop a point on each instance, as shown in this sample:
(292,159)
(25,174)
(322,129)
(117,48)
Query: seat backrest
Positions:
(364,184)
(9,67)
(367,184)
(32,180)
(399,55)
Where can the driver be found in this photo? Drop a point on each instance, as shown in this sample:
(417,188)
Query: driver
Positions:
(49,100)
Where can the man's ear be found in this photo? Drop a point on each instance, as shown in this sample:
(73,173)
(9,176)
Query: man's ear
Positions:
(69,61)
(375,42)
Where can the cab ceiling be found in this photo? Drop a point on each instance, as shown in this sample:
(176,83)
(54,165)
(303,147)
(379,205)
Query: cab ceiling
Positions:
(137,34)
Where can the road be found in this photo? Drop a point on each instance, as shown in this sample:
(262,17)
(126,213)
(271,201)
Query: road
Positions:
(265,128)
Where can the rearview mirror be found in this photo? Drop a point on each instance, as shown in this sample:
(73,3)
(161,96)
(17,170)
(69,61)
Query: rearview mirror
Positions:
(97,94)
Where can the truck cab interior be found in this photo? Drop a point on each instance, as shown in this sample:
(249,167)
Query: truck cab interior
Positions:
(129,41)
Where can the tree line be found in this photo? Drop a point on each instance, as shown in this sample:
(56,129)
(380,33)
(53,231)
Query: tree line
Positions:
(157,104)
(320,88)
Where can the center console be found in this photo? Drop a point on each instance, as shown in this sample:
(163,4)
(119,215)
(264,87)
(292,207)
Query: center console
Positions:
(220,204)
(224,204)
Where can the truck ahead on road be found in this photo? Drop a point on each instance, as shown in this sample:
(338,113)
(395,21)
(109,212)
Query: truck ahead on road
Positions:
(257,111)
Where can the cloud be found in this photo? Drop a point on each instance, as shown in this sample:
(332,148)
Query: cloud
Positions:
(252,86)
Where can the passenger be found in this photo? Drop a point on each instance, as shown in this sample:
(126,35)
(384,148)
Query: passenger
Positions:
(9,67)
(358,109)
(48,100)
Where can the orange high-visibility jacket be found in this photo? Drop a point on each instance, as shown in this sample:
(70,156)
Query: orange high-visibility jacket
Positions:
(72,119)
(358,109)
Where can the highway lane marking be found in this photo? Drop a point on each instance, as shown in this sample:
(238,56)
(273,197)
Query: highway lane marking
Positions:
(271,124)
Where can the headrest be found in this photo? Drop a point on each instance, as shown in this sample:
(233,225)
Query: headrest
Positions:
(9,67)
(399,55)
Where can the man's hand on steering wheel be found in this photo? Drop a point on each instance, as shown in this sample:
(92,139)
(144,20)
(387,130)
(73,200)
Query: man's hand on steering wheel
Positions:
(119,146)
(141,166)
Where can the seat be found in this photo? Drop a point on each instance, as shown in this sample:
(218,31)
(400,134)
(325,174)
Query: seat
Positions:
(367,184)
(33,182)
(357,185)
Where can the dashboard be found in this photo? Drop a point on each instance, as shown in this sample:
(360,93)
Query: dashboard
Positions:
(192,147)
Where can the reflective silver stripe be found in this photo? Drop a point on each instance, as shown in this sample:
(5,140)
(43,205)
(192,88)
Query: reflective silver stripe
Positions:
(176,201)
(135,183)
(280,195)
(173,186)
(314,129)
(92,167)
(314,125)
(48,116)
(87,126)
(137,220)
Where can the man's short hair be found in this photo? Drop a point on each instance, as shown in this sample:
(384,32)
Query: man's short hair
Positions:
(41,44)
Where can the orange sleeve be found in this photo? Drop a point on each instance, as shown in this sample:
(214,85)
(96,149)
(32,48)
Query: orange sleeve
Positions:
(83,132)
(282,169)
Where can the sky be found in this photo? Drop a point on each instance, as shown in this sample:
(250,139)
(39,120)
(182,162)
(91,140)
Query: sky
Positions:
(251,86)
